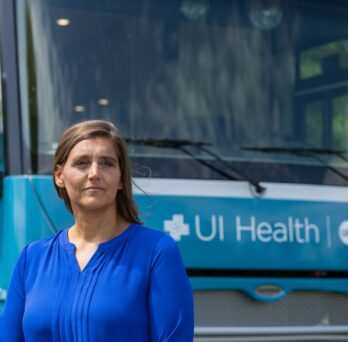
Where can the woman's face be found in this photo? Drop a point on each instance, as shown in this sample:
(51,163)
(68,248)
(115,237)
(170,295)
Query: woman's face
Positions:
(91,175)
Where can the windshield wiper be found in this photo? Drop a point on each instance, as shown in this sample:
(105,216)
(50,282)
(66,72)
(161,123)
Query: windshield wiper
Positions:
(181,145)
(306,152)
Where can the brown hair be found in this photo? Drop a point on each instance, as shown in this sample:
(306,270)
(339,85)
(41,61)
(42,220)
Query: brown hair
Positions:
(125,205)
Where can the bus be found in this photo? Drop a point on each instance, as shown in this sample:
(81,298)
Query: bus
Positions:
(236,118)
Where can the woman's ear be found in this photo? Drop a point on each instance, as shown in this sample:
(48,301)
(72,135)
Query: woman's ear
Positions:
(58,176)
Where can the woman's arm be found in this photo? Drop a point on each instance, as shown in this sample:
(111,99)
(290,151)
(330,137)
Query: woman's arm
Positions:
(11,320)
(170,296)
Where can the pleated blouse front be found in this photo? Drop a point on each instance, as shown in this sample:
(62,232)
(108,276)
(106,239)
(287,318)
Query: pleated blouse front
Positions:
(134,288)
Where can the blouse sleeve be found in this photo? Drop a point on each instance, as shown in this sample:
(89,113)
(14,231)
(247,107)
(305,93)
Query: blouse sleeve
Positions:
(11,320)
(170,296)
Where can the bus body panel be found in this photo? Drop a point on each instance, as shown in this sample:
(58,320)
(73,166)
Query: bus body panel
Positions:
(223,234)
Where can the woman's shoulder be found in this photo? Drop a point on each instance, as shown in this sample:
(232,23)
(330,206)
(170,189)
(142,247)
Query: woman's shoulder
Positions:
(153,239)
(152,235)
(38,246)
(32,253)
(161,247)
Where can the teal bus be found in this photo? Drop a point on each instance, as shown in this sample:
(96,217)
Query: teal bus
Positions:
(236,118)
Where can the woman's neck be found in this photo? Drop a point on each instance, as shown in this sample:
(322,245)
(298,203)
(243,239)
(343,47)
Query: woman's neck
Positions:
(94,227)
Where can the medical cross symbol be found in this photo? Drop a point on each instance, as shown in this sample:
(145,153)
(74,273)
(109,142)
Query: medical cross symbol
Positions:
(176,227)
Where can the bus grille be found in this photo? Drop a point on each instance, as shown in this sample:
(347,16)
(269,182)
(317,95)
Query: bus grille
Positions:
(297,309)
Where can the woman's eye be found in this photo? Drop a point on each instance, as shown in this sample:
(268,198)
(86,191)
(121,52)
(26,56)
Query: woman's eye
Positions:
(81,163)
(107,163)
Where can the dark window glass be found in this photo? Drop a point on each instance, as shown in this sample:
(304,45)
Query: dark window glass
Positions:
(263,83)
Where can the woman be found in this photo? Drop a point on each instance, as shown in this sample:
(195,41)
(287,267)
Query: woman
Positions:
(106,278)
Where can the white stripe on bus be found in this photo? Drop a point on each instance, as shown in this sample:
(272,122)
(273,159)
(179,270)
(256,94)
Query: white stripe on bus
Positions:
(239,189)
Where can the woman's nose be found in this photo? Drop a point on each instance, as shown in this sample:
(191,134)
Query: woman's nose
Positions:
(94,171)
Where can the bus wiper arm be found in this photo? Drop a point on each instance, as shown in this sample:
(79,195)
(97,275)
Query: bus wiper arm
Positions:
(307,152)
(181,145)
(165,143)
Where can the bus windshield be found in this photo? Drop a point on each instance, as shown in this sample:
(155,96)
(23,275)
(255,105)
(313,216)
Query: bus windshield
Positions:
(262,84)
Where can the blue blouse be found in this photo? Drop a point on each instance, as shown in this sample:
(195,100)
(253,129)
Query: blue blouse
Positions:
(134,288)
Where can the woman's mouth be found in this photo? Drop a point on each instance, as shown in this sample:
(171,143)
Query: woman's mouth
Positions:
(94,188)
